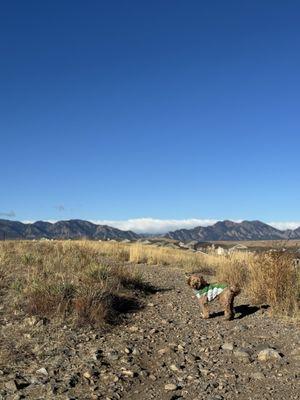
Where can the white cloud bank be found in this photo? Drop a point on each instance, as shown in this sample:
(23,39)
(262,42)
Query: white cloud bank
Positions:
(152,225)
(285,225)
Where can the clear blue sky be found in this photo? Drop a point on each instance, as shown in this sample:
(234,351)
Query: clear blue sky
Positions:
(167,109)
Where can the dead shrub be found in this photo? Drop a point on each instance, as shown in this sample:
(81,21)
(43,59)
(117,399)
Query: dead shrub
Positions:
(274,280)
(234,271)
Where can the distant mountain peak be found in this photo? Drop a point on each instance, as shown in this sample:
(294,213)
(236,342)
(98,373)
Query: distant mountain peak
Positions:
(230,230)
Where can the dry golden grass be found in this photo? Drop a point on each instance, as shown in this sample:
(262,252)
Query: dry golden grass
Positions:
(267,278)
(84,279)
(69,279)
(232,268)
(274,280)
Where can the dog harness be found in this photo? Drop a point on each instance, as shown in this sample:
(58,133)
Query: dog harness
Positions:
(211,291)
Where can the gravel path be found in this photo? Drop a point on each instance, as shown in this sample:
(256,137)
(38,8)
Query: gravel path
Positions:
(164,351)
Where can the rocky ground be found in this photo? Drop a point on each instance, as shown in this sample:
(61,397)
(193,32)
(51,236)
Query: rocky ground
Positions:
(164,350)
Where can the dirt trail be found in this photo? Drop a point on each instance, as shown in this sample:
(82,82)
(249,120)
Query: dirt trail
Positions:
(166,351)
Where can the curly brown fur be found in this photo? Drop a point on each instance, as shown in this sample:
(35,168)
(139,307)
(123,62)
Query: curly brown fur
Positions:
(226,298)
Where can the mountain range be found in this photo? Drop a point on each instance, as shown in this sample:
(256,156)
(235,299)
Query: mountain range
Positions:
(77,229)
(228,230)
(73,229)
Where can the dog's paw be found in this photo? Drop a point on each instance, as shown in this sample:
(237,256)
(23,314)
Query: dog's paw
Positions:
(205,316)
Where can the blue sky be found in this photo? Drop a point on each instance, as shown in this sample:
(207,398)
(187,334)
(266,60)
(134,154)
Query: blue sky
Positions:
(170,110)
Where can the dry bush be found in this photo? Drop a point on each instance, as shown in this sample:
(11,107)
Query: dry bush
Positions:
(233,269)
(267,278)
(274,280)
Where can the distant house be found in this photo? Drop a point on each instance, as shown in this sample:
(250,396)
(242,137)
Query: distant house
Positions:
(220,251)
(238,247)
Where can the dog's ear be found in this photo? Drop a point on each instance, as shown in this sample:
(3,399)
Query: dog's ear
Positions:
(202,281)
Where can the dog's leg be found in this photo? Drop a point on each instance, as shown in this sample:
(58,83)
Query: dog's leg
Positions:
(204,307)
(228,311)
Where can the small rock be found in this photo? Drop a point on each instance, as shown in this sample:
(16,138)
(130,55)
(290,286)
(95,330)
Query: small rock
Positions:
(42,371)
(204,371)
(135,352)
(242,355)
(10,385)
(227,346)
(163,351)
(269,355)
(258,375)
(128,373)
(174,368)
(31,321)
(169,387)
(133,329)
(97,355)
(113,355)
(87,375)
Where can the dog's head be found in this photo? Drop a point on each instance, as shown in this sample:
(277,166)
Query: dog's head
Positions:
(196,282)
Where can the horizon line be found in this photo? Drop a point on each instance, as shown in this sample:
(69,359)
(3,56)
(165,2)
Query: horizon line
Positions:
(148,225)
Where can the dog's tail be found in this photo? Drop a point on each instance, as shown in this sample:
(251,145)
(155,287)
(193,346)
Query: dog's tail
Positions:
(235,289)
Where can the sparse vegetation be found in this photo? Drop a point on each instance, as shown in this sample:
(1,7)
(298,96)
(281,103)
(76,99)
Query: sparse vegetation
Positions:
(86,281)
(66,279)
(268,278)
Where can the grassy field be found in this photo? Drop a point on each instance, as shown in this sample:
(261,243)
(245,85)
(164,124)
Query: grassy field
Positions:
(88,282)
(66,279)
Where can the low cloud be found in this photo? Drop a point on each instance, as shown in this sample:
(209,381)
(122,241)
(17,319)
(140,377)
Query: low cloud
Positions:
(152,225)
(285,225)
(10,214)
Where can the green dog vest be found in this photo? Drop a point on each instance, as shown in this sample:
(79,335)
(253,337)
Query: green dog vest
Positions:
(211,291)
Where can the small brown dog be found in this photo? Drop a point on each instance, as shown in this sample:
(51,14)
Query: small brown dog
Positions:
(207,292)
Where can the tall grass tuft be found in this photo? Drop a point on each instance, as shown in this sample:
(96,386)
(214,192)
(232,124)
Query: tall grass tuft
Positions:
(273,279)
